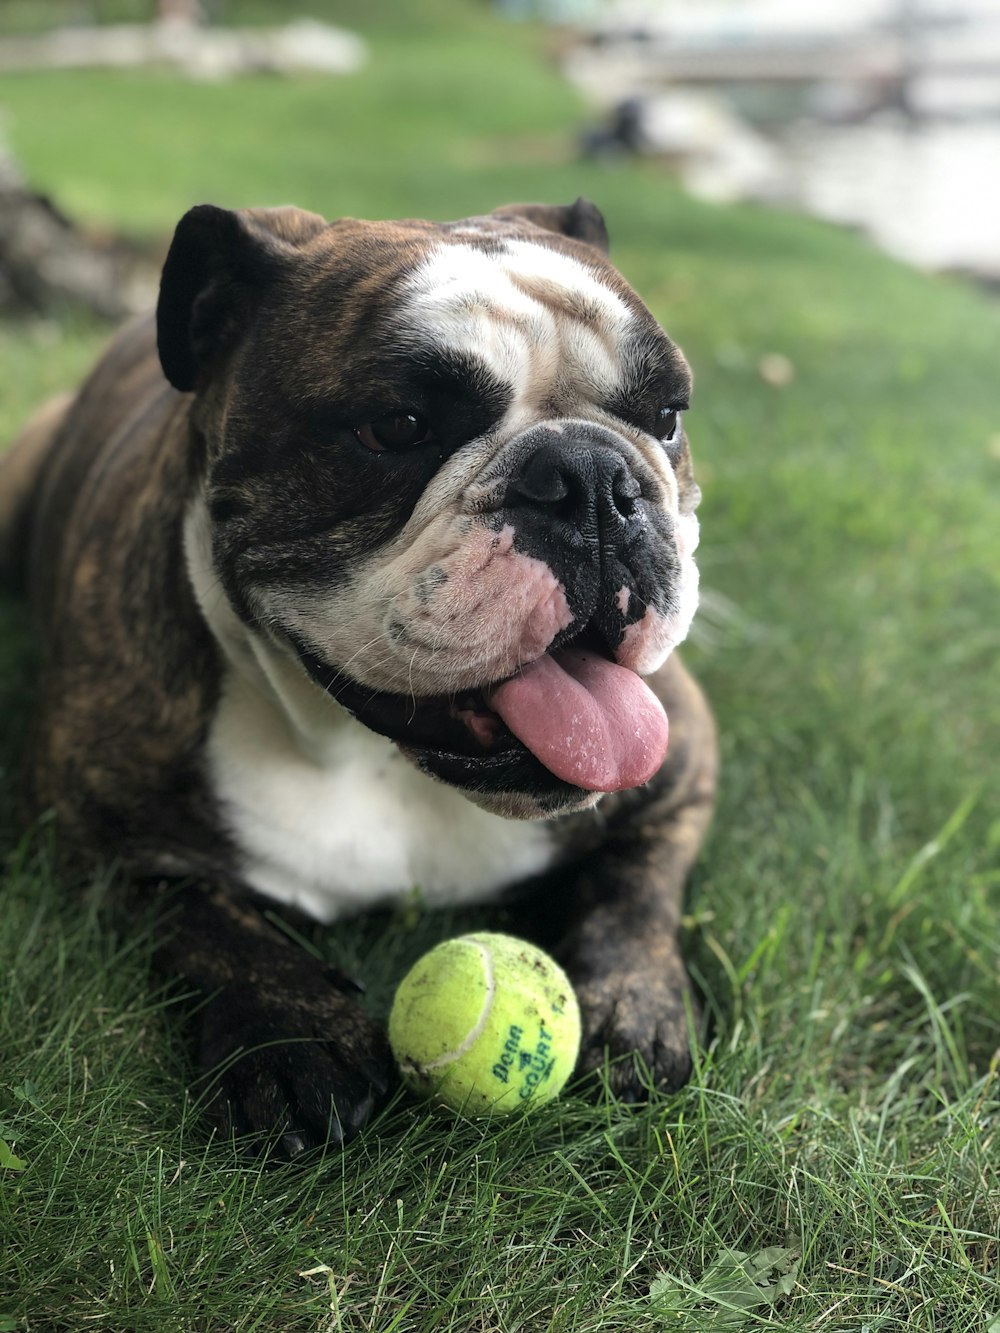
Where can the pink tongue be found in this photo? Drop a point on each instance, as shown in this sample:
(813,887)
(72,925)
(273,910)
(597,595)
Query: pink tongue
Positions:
(592,723)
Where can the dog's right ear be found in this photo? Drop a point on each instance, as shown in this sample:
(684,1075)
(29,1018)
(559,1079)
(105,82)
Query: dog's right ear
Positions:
(583,220)
(218,264)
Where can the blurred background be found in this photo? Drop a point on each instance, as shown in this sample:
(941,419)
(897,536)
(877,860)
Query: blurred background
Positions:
(883,115)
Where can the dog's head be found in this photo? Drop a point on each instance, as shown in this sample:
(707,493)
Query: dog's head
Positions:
(446,470)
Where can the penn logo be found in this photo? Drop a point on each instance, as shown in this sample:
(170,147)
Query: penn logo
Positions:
(509,1055)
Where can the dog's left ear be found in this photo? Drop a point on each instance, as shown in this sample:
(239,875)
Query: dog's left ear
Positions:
(582,221)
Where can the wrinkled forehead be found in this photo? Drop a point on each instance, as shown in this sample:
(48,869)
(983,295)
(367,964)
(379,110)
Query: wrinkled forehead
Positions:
(518,280)
(529,313)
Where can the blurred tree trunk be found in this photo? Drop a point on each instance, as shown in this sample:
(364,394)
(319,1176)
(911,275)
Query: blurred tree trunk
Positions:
(47,263)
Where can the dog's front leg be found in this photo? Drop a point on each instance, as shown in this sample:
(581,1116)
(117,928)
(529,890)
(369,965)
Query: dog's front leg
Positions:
(284,1043)
(620,948)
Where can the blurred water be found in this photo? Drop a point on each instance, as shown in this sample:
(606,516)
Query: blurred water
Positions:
(927,192)
(879,114)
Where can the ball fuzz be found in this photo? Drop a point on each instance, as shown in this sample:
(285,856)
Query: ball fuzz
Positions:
(487,1024)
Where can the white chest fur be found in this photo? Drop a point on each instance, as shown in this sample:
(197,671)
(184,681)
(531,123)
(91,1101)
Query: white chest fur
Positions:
(351,823)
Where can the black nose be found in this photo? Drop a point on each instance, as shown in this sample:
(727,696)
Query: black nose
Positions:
(588,487)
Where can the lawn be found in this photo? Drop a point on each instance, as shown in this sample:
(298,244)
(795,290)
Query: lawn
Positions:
(841,1128)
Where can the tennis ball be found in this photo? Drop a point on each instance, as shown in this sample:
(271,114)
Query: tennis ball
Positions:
(487,1024)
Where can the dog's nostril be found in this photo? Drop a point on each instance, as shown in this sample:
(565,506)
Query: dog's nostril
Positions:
(542,480)
(625,490)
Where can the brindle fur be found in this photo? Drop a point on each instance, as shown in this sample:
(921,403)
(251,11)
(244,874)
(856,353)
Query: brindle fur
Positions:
(92,499)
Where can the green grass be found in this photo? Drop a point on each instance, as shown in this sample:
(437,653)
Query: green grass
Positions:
(843,922)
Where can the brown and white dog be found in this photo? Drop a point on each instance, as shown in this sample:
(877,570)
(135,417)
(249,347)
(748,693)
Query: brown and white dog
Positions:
(352,588)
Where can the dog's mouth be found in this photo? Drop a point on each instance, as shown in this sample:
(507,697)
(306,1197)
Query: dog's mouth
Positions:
(572,717)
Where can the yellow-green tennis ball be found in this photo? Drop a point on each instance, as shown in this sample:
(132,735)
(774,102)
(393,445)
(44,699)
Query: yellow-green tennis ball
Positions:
(487,1024)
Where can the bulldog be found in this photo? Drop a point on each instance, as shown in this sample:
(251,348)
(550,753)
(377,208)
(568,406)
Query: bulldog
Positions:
(361,569)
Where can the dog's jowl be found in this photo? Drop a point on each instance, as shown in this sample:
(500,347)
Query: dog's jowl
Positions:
(361,567)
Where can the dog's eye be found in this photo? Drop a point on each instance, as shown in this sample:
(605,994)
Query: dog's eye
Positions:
(668,424)
(396,430)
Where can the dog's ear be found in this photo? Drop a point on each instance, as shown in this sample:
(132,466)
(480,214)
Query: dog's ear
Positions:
(217,265)
(582,221)
(295,226)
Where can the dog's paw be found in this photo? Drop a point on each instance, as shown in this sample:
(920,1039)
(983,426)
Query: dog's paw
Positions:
(304,1068)
(635,1022)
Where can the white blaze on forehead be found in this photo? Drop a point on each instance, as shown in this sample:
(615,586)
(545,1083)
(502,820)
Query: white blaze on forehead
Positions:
(526,311)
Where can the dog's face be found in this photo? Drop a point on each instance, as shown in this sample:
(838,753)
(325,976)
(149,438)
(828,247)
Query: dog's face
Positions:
(445,468)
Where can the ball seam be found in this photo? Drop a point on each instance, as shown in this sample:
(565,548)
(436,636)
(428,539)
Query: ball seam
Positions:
(475,1032)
